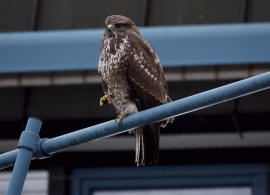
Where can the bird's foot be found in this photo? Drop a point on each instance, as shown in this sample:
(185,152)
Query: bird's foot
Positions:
(121,117)
(105,100)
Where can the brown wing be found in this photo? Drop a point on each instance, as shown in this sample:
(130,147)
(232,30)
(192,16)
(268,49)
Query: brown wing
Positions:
(145,73)
(149,89)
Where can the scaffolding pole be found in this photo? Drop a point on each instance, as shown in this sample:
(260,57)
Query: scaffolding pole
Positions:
(27,146)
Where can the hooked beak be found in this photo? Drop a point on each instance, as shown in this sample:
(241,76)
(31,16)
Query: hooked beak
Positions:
(109,28)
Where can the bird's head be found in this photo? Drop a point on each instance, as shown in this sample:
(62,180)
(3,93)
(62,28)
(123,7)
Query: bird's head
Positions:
(117,24)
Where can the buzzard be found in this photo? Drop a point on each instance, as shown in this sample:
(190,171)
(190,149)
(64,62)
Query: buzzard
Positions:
(132,80)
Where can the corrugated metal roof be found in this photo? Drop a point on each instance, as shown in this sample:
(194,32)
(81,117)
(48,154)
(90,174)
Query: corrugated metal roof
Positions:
(78,14)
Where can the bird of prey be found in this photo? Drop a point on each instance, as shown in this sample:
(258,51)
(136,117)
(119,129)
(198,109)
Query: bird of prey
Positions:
(132,80)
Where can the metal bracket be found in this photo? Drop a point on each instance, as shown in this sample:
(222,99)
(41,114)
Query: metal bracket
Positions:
(39,153)
(27,139)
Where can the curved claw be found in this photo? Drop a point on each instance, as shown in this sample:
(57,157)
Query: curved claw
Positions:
(105,100)
(121,117)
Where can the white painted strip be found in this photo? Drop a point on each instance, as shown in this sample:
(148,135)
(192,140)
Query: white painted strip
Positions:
(200,73)
(36,79)
(92,77)
(169,142)
(65,78)
(9,80)
(233,72)
(259,70)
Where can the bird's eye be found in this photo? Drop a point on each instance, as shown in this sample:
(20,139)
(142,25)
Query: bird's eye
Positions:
(119,25)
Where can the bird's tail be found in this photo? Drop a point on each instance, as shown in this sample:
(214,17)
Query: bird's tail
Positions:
(147,145)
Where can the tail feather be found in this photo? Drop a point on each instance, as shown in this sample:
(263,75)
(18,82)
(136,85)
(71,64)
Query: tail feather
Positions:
(139,154)
(147,145)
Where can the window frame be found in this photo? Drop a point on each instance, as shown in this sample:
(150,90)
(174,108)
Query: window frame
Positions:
(86,181)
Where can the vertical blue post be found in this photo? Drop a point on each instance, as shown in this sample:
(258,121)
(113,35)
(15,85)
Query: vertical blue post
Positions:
(27,146)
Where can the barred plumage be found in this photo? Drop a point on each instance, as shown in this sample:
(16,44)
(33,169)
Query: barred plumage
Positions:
(133,78)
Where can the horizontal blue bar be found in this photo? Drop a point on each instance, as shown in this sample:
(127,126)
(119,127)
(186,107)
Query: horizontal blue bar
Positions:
(172,109)
(197,45)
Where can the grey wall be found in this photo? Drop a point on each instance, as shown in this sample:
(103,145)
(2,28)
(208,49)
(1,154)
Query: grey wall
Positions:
(25,15)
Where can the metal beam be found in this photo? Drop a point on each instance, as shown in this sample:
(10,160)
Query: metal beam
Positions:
(197,45)
(172,109)
(180,141)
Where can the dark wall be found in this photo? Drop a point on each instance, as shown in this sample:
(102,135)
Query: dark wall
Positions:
(17,15)
(70,14)
(26,15)
(195,12)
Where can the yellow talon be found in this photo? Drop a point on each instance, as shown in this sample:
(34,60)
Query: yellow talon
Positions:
(121,117)
(105,100)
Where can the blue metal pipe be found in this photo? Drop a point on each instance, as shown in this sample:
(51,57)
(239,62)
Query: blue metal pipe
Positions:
(173,109)
(7,159)
(27,146)
(192,45)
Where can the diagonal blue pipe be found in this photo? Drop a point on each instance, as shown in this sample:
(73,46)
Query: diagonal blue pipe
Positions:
(27,146)
(173,109)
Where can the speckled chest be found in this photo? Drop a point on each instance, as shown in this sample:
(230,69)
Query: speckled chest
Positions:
(113,57)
